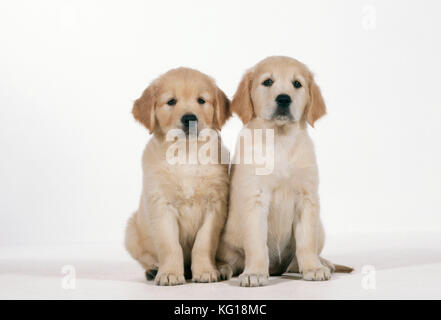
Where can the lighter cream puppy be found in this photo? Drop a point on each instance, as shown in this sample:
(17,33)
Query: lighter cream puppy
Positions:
(274,222)
(183,206)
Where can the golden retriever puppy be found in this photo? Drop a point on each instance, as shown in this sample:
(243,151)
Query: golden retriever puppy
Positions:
(273,224)
(183,205)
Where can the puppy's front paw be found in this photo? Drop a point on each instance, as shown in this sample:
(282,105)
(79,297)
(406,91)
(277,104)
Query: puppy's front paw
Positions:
(317,274)
(253,279)
(169,279)
(210,275)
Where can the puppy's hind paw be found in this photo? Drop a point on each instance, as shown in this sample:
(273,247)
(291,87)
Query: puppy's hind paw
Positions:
(253,280)
(225,270)
(318,274)
(151,274)
(328,264)
(169,279)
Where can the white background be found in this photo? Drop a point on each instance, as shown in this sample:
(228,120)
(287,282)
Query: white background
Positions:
(70,70)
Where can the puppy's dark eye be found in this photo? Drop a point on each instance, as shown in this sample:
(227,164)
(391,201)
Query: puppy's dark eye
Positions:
(201,101)
(171,102)
(268,82)
(297,84)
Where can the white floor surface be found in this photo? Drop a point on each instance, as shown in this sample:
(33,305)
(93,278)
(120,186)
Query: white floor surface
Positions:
(387,266)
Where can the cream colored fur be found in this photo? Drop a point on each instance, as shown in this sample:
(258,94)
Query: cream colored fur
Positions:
(274,221)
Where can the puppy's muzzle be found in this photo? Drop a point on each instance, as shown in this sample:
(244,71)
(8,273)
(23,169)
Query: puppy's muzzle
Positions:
(188,120)
(282,112)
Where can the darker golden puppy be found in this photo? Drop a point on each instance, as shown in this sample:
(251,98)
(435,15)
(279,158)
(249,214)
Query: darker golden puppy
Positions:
(183,204)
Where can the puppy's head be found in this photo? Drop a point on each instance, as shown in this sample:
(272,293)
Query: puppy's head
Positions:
(279,89)
(179,99)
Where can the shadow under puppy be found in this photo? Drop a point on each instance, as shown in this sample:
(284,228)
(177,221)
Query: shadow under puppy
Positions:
(274,221)
(183,206)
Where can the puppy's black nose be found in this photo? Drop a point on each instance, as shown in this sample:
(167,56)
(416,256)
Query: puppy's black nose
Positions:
(187,118)
(283,100)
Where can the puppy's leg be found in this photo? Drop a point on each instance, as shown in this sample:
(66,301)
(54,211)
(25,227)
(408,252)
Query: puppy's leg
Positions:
(255,236)
(321,244)
(230,262)
(229,259)
(166,238)
(307,237)
(333,267)
(294,265)
(203,266)
(140,251)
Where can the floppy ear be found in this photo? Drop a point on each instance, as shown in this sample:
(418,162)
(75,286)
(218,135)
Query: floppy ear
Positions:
(144,108)
(221,109)
(316,107)
(242,104)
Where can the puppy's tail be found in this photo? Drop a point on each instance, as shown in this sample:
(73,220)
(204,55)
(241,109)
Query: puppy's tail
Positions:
(336,267)
(342,269)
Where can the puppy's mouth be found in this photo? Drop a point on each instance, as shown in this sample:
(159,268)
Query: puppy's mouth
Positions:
(191,129)
(282,116)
